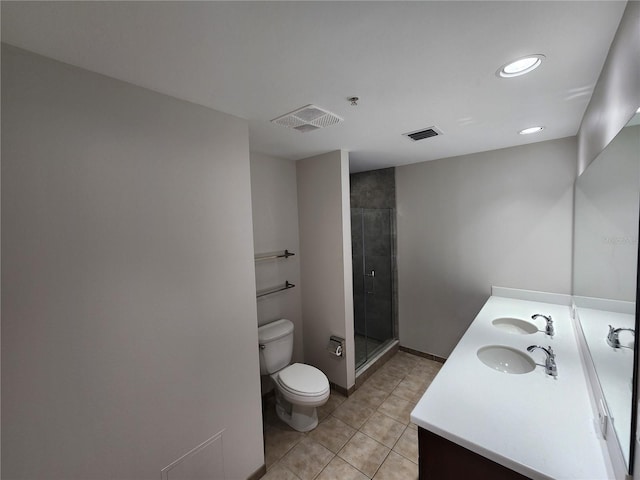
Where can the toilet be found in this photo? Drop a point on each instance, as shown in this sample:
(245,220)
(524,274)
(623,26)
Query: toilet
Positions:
(299,388)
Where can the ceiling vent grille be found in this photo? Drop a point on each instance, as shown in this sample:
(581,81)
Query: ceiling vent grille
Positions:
(307,119)
(423,133)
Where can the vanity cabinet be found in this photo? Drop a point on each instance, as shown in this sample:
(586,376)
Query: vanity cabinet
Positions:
(483,418)
(442,459)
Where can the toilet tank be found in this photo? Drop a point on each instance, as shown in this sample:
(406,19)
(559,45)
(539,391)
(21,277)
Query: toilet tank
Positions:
(276,345)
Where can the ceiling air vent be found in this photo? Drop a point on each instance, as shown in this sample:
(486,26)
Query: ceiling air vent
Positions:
(307,119)
(424,133)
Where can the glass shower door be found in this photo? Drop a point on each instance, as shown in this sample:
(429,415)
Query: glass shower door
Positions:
(372,255)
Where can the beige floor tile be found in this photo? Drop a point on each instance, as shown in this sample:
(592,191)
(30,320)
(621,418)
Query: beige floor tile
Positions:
(427,367)
(370,395)
(280,472)
(403,390)
(417,381)
(332,433)
(354,412)
(383,381)
(384,429)
(422,391)
(396,467)
(426,384)
(412,388)
(307,459)
(380,408)
(397,408)
(338,469)
(278,441)
(364,453)
(407,445)
(397,370)
(334,401)
(406,359)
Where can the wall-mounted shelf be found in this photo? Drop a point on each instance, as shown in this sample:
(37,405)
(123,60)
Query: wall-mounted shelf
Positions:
(269,291)
(269,256)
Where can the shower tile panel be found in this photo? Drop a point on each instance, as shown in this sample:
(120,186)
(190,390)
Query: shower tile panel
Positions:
(377,228)
(379,304)
(378,314)
(358,278)
(373,189)
(359,314)
(356,232)
(373,225)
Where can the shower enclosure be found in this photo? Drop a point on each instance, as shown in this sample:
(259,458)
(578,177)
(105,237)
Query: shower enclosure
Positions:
(373,247)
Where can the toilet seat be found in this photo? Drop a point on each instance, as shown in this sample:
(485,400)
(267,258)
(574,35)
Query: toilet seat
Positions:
(303,384)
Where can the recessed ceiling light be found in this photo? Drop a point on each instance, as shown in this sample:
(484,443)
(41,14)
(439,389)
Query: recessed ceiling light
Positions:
(530,130)
(520,66)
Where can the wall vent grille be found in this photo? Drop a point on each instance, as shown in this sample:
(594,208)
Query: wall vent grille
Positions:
(307,119)
(423,133)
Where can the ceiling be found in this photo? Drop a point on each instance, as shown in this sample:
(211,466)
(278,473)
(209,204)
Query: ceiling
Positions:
(412,64)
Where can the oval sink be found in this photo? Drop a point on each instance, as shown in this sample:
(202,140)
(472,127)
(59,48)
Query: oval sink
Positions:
(506,359)
(515,325)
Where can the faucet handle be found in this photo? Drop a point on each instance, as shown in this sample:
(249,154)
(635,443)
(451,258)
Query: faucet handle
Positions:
(549,330)
(550,367)
(550,363)
(612,336)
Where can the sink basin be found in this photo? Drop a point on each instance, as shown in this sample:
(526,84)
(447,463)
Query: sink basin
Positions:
(506,359)
(515,325)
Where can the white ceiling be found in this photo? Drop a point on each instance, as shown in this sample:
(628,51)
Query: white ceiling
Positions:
(413,65)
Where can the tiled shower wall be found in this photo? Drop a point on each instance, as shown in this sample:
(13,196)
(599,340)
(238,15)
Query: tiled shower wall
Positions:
(375,190)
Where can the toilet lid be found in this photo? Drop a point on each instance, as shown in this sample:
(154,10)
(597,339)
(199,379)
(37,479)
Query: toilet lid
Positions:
(303,379)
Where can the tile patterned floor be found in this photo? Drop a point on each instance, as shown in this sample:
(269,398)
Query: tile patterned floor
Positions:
(366,436)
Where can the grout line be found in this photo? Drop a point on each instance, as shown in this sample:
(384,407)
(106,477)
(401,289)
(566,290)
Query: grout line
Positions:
(382,463)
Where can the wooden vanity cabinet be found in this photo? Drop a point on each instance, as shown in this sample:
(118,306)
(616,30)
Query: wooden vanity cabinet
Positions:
(442,459)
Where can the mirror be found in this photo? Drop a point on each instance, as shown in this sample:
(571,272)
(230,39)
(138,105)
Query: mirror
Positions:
(605,260)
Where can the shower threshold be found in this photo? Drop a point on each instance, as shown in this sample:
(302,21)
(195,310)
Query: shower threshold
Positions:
(376,355)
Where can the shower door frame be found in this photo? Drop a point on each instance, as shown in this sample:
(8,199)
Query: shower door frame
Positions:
(368,281)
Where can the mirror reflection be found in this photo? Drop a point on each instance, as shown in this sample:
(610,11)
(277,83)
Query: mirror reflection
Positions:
(607,200)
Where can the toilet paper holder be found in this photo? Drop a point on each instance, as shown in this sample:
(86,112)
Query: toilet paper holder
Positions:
(336,346)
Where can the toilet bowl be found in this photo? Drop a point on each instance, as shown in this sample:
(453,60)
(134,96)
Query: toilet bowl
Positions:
(300,388)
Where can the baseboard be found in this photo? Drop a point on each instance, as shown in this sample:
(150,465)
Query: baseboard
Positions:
(341,390)
(418,353)
(259,473)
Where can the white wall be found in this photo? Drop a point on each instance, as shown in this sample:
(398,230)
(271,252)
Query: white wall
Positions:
(274,197)
(464,224)
(325,265)
(128,289)
(617,94)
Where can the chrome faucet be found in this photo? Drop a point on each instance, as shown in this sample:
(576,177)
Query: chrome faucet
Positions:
(612,336)
(549,330)
(550,367)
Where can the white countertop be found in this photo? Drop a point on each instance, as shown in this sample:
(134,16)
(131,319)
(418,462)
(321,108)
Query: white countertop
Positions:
(614,366)
(537,425)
